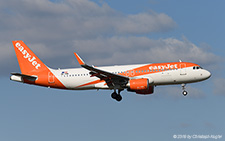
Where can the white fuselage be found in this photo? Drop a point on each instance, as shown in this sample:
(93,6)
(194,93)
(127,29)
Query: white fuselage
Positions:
(80,78)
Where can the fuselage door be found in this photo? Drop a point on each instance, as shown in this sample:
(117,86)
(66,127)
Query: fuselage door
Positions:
(183,69)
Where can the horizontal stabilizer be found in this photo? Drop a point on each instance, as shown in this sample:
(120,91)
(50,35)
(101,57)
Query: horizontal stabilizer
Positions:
(21,77)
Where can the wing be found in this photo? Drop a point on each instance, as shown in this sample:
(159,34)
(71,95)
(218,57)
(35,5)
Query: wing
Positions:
(114,81)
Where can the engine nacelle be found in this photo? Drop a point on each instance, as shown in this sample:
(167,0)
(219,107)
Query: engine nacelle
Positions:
(140,86)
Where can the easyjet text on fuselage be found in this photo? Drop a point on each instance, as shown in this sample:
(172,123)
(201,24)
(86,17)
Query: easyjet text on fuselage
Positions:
(167,66)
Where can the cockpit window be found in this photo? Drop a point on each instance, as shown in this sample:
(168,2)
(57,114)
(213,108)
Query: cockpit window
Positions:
(197,67)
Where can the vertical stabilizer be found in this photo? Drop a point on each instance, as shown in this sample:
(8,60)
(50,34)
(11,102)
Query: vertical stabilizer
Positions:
(29,63)
(33,70)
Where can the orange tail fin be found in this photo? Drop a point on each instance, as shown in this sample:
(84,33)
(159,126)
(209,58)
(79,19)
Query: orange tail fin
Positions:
(29,63)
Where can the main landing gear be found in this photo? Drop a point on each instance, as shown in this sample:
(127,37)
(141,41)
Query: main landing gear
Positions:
(184,92)
(116,96)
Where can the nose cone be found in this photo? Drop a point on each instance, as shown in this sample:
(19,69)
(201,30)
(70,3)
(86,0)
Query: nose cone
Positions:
(206,74)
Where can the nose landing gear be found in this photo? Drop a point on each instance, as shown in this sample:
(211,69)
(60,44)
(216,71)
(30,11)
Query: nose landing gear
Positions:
(184,92)
(116,96)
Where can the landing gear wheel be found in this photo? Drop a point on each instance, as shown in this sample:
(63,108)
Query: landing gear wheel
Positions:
(119,97)
(114,95)
(185,93)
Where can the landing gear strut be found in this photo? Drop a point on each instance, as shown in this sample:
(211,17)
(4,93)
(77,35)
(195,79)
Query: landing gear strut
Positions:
(116,96)
(184,92)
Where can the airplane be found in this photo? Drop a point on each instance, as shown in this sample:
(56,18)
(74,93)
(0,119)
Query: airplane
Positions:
(138,78)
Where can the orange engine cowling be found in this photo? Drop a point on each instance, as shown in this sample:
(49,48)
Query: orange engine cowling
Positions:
(140,86)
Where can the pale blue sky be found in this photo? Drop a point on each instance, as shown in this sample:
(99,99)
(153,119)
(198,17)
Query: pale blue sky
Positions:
(100,32)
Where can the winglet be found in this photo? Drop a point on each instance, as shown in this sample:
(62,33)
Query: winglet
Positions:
(80,61)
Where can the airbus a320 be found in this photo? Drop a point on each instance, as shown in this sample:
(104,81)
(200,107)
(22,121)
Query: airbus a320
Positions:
(138,78)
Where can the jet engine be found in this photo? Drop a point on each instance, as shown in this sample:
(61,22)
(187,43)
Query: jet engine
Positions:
(140,86)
